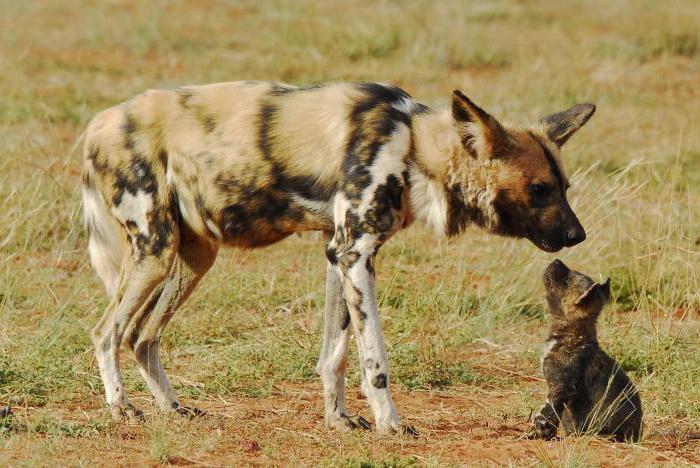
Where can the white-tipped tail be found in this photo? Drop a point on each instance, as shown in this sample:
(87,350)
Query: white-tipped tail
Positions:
(107,244)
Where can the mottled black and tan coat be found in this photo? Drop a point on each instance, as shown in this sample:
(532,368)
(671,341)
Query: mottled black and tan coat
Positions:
(588,391)
(171,176)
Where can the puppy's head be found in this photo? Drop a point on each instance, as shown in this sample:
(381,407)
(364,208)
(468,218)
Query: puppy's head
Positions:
(572,295)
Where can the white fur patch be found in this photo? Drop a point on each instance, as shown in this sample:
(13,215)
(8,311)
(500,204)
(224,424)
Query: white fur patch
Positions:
(405,105)
(106,244)
(428,201)
(389,161)
(321,207)
(135,208)
(214,229)
(485,203)
(371,342)
(340,207)
(545,352)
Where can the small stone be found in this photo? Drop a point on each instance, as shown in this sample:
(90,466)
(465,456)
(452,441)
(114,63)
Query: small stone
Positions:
(250,446)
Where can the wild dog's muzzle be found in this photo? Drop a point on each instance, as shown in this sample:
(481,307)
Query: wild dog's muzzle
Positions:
(575,234)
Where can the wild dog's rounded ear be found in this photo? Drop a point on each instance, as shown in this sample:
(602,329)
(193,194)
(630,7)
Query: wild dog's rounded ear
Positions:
(560,126)
(480,133)
(596,290)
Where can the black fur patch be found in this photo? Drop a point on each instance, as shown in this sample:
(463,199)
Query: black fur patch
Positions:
(160,223)
(129,128)
(143,315)
(208,122)
(163,158)
(369,265)
(138,176)
(380,218)
(279,90)
(184,96)
(256,214)
(552,164)
(331,255)
(459,215)
(307,187)
(353,225)
(373,119)
(346,316)
(98,161)
(379,381)
(265,122)
(459,113)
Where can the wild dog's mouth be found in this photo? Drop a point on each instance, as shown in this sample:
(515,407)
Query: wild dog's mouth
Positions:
(544,245)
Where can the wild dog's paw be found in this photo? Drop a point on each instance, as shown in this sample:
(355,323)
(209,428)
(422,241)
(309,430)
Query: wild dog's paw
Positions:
(127,413)
(187,411)
(542,428)
(346,423)
(398,428)
(408,430)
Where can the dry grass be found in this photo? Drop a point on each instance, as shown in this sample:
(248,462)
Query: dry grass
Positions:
(464,320)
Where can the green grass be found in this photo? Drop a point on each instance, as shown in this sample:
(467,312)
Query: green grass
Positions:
(245,333)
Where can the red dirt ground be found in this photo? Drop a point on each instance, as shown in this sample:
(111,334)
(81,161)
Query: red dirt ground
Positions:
(457,427)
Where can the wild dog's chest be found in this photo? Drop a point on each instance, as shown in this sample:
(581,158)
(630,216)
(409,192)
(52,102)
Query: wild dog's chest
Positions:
(557,358)
(546,351)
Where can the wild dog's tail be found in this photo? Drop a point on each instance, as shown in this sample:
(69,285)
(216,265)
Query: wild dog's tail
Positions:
(107,244)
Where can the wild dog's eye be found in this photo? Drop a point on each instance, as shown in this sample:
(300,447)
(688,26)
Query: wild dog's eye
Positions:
(539,190)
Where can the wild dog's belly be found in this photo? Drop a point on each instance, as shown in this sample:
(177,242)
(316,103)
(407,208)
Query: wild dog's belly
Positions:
(248,205)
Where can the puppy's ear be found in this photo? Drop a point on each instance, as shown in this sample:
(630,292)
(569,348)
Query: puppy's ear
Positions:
(597,290)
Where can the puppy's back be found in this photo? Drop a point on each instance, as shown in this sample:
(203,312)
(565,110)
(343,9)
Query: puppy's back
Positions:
(609,403)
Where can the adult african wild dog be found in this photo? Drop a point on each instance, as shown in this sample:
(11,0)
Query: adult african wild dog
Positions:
(170,176)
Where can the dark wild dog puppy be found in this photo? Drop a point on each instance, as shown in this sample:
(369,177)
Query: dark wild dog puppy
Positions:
(587,389)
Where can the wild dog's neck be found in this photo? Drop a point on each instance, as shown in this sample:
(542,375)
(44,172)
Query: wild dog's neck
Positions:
(448,186)
(582,331)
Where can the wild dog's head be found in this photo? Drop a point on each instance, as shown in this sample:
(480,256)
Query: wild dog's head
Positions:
(523,182)
(572,295)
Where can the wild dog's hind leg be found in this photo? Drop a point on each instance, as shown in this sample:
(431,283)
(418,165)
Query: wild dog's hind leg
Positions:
(193,259)
(334,354)
(140,276)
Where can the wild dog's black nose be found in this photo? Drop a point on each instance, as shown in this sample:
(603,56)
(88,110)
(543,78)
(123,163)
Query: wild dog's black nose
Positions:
(575,235)
(557,264)
(555,273)
(557,268)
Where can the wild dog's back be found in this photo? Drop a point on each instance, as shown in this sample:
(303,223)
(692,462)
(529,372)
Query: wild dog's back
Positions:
(248,162)
(588,391)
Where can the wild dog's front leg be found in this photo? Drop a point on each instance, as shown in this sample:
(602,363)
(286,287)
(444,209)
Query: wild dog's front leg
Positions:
(355,262)
(563,383)
(334,352)
(546,423)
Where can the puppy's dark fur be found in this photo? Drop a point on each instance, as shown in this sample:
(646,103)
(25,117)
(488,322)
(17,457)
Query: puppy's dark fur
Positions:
(588,391)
